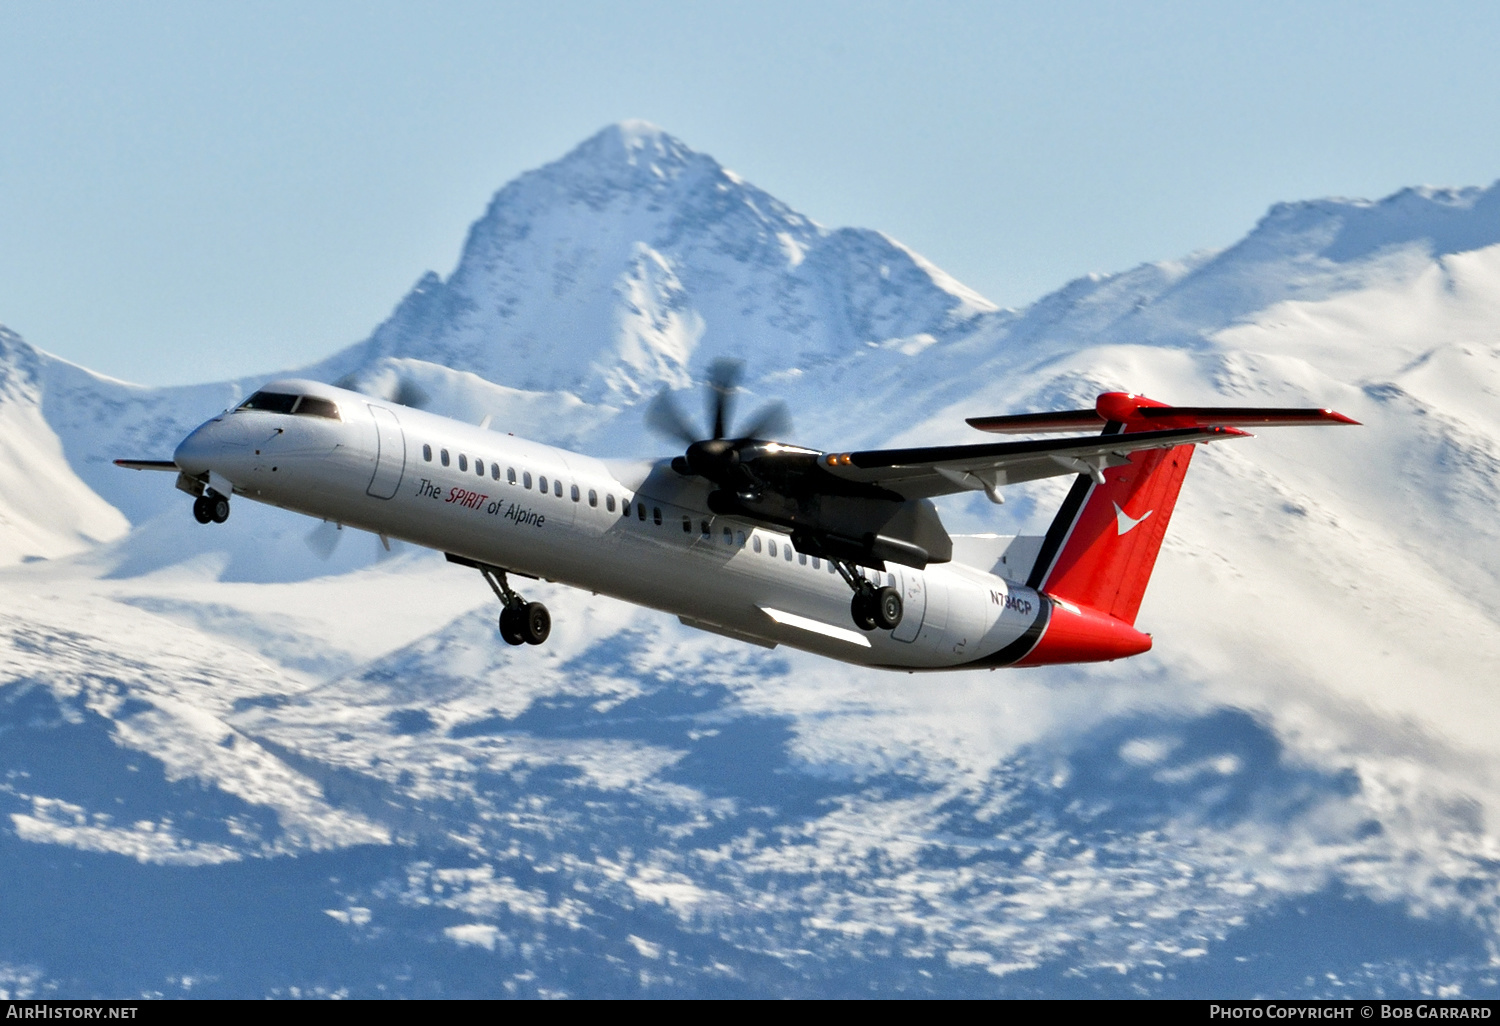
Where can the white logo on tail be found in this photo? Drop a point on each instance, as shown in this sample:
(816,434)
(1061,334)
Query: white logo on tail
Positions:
(1124,524)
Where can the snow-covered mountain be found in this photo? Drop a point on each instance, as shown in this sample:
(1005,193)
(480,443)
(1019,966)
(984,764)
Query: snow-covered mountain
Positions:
(235,768)
(605,274)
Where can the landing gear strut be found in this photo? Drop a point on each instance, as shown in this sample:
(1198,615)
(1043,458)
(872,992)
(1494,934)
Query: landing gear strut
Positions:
(211,506)
(521,622)
(871,607)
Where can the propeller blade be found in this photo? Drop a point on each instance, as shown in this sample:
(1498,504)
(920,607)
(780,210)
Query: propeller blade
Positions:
(663,417)
(409,393)
(723,382)
(324,538)
(771,421)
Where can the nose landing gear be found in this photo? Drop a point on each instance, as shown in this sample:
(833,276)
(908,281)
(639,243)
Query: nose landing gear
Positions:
(211,506)
(521,622)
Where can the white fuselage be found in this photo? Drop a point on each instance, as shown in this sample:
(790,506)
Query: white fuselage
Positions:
(636,531)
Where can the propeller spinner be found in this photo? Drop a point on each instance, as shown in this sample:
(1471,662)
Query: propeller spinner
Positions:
(719,457)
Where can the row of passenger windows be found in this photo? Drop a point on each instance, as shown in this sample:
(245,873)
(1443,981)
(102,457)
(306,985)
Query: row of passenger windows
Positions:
(555,486)
(731,537)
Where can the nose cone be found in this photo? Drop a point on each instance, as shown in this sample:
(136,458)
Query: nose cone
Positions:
(194,451)
(213,446)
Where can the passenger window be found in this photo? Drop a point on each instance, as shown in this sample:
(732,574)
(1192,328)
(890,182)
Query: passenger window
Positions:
(427,453)
(541,484)
(728,536)
(463,462)
(444,457)
(706,532)
(816,564)
(495,471)
(655,515)
(831,568)
(771,547)
(786,551)
(609,503)
(557,489)
(740,539)
(687,525)
(510,475)
(575,493)
(640,509)
(756,543)
(802,558)
(525,479)
(479,468)
(593,497)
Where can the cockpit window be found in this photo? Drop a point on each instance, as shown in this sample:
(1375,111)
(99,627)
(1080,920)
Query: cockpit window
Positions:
(285,402)
(271,402)
(312,406)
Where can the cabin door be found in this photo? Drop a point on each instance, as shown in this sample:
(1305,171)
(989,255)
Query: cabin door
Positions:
(390,453)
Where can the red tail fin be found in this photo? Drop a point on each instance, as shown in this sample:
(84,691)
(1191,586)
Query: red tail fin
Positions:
(1102,545)
(1097,556)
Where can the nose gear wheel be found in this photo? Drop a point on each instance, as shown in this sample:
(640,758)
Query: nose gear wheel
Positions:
(210,507)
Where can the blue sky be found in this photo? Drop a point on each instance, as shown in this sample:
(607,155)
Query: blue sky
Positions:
(192,191)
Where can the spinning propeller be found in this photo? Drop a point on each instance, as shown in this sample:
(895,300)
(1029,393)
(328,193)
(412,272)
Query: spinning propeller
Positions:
(324,540)
(402,390)
(720,457)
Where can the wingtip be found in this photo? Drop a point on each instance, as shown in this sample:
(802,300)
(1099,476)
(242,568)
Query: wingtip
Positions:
(146,464)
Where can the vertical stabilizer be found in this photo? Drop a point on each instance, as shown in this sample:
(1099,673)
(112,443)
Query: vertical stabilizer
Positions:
(1096,559)
(1102,546)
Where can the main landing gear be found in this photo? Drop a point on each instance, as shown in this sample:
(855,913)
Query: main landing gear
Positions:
(211,506)
(521,622)
(872,608)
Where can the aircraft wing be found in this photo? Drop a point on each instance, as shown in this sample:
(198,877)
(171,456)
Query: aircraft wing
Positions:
(943,470)
(148,465)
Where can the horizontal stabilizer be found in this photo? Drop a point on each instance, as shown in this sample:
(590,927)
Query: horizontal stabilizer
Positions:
(1142,413)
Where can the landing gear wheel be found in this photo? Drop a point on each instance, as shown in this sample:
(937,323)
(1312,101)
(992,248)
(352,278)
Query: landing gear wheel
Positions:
(201,511)
(218,508)
(510,624)
(521,622)
(887,608)
(862,608)
(536,623)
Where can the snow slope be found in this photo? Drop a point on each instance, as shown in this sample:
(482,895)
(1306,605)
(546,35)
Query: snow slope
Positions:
(285,775)
(46,511)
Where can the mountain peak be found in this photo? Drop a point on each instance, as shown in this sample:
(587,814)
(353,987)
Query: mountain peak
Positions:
(633,139)
(1442,220)
(612,271)
(628,154)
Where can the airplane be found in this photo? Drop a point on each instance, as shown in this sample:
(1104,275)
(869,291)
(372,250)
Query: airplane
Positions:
(838,553)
